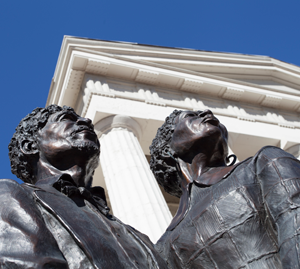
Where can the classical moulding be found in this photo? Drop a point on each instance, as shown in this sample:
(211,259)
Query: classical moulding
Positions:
(233,94)
(163,76)
(271,101)
(190,101)
(191,85)
(73,83)
(146,76)
(89,98)
(97,67)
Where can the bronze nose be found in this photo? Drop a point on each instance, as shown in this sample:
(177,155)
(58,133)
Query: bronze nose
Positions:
(205,112)
(84,121)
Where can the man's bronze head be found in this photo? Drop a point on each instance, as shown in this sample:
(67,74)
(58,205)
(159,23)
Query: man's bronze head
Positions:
(53,133)
(162,164)
(184,135)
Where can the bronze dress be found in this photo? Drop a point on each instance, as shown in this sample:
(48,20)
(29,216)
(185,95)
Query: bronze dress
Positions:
(249,219)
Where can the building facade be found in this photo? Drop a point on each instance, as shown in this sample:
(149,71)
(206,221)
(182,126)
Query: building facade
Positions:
(128,90)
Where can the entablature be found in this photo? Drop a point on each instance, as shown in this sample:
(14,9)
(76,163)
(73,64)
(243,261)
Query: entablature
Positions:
(231,106)
(82,63)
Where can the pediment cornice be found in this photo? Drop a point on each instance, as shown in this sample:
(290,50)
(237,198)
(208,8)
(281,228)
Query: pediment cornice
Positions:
(81,56)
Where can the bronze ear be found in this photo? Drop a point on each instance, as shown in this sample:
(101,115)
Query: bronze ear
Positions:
(29,147)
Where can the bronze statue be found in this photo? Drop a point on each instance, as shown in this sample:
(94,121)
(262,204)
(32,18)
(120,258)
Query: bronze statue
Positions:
(56,219)
(245,215)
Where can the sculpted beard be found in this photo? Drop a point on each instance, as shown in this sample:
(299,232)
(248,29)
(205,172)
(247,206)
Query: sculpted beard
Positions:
(85,146)
(92,149)
(88,147)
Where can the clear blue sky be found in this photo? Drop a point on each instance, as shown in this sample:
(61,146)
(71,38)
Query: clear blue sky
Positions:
(32,33)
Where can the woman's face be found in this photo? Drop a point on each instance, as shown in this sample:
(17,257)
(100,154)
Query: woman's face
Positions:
(197,132)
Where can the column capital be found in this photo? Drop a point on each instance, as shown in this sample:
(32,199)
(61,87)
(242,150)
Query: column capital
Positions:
(105,125)
(294,150)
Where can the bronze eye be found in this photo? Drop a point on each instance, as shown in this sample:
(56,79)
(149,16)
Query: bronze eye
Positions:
(189,115)
(66,116)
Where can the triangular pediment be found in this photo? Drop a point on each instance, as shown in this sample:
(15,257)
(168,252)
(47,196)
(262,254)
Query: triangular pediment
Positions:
(255,69)
(259,80)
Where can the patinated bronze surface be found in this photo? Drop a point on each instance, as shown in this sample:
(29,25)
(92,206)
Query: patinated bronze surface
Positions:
(56,219)
(245,215)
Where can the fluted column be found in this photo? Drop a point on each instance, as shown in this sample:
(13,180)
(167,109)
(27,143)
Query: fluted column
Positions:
(133,192)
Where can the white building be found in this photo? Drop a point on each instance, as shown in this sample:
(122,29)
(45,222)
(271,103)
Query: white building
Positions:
(128,90)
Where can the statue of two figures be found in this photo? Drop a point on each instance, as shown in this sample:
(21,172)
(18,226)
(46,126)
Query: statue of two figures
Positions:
(243,215)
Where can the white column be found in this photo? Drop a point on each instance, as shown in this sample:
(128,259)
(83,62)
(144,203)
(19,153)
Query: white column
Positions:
(294,150)
(230,151)
(133,191)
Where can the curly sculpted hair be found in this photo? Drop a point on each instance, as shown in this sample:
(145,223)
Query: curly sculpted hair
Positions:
(21,163)
(162,164)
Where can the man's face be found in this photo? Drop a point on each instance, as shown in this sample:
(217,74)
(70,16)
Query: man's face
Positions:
(67,135)
(198,132)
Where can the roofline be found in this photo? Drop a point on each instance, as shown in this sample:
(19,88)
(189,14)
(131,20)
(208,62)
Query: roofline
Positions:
(179,48)
(163,47)
(124,51)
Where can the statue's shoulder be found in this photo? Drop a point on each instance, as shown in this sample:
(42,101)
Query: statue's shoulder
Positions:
(273,152)
(9,184)
(12,189)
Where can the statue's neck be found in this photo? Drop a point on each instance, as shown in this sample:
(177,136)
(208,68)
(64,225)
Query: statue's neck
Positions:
(77,172)
(200,169)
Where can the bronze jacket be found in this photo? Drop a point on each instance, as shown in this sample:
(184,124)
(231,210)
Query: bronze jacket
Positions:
(41,227)
(249,219)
